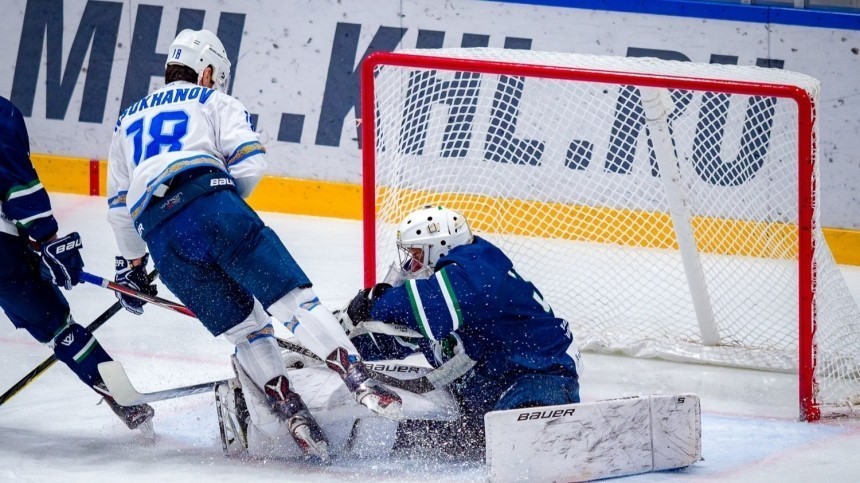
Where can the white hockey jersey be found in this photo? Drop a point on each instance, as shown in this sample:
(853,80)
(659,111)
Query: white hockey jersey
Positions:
(176,128)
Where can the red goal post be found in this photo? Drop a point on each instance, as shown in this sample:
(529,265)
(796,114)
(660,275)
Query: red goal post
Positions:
(444,126)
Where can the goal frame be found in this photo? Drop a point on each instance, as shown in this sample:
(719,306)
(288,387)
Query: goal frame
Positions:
(806,196)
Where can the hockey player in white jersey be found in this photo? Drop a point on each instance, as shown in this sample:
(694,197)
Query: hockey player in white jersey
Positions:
(181,161)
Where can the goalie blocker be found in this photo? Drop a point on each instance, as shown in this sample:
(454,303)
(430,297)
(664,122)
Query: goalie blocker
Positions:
(587,441)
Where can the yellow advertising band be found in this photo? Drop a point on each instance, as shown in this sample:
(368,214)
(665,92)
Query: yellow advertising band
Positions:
(310,197)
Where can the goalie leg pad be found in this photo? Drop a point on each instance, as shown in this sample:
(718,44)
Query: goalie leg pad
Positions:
(364,388)
(277,411)
(603,439)
(233,418)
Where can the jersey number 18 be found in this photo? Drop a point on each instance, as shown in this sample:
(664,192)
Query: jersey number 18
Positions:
(165,130)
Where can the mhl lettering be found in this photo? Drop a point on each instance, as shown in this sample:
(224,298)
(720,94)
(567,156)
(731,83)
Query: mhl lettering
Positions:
(96,39)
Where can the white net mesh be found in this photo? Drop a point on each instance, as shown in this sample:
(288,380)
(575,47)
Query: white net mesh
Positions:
(561,172)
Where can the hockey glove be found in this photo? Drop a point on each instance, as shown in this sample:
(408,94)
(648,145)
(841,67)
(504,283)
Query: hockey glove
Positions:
(133,278)
(361,305)
(61,260)
(352,329)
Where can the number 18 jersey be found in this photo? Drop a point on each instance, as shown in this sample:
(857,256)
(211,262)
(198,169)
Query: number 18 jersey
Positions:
(176,128)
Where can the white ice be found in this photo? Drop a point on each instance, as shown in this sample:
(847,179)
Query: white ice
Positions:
(54,431)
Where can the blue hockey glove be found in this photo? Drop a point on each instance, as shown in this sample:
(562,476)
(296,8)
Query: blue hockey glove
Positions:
(61,260)
(361,305)
(134,278)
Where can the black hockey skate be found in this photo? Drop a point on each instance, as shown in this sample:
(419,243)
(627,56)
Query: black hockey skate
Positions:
(303,427)
(366,390)
(132,416)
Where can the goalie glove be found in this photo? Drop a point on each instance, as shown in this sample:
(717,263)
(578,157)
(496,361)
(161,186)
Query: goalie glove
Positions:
(352,329)
(359,308)
(357,311)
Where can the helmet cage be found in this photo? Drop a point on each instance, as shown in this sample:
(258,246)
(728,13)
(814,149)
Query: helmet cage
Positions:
(434,230)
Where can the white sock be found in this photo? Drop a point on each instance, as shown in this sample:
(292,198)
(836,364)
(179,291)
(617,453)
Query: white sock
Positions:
(312,323)
(256,348)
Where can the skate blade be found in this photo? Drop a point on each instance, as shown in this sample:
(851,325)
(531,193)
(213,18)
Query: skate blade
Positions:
(320,456)
(393,410)
(147,431)
(315,450)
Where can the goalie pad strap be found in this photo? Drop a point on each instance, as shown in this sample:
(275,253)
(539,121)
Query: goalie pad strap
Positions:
(451,370)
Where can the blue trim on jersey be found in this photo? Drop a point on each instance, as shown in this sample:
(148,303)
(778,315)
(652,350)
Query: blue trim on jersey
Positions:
(716,11)
(266,332)
(245,151)
(117,201)
(172,170)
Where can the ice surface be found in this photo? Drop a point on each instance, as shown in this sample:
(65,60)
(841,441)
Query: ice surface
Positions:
(54,431)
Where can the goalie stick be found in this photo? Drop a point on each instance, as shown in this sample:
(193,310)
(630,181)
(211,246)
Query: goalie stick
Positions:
(50,361)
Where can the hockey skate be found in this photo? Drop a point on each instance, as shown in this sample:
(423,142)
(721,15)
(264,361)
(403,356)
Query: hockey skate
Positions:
(135,417)
(364,388)
(303,427)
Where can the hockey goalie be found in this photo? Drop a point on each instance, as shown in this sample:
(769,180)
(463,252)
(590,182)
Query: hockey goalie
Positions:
(493,361)
(575,442)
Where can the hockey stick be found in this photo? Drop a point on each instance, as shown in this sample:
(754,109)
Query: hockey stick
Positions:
(125,394)
(102,282)
(50,361)
(369,326)
(418,385)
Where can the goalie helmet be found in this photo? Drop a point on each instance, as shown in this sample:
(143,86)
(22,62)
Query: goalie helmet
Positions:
(433,229)
(198,49)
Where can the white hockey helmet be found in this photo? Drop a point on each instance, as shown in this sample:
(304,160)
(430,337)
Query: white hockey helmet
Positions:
(198,49)
(435,230)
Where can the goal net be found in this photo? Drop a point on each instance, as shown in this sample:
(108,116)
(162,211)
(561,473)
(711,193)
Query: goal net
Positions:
(665,209)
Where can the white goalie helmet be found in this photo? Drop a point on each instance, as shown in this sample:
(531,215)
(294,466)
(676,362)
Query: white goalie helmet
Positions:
(435,230)
(198,49)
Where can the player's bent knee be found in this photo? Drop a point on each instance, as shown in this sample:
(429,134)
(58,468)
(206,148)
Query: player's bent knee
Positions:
(285,308)
(256,322)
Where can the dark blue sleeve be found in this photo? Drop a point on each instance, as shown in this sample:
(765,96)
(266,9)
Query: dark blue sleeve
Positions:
(434,306)
(24,199)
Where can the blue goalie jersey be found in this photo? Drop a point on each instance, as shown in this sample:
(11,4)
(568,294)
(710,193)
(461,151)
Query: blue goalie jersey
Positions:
(501,319)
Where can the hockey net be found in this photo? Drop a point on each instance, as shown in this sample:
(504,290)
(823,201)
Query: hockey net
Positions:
(665,209)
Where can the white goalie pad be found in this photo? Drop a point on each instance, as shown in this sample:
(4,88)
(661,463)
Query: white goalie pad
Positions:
(351,428)
(587,441)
